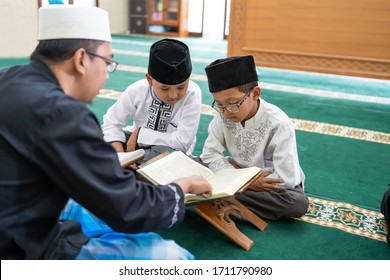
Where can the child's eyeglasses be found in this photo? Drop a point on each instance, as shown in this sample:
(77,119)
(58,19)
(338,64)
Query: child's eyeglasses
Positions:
(232,108)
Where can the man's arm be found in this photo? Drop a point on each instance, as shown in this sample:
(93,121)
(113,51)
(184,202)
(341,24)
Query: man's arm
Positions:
(87,169)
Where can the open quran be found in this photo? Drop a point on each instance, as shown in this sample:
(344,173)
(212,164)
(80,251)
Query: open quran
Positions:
(175,165)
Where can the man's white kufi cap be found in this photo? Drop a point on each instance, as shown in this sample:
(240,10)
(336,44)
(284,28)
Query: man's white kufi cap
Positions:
(73,22)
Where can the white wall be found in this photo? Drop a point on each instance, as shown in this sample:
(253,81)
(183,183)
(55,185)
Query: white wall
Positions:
(18,27)
(19,24)
(119,11)
(214,11)
(195,10)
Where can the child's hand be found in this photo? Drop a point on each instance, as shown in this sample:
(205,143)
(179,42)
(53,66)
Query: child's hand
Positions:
(132,142)
(265,184)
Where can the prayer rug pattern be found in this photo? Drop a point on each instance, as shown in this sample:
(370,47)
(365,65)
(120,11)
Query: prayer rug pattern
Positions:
(346,217)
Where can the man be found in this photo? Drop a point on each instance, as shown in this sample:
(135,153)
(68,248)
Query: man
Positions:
(52,149)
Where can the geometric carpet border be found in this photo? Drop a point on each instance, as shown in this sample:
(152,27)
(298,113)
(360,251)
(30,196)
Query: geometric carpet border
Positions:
(342,131)
(346,217)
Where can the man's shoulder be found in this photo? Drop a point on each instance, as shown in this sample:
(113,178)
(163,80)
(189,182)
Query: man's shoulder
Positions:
(10,72)
(2,72)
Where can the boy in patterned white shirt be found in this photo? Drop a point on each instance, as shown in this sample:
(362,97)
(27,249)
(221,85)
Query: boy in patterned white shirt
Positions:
(254,133)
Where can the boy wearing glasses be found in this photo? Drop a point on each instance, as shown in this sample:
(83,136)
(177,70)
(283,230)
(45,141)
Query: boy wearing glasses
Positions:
(165,107)
(254,133)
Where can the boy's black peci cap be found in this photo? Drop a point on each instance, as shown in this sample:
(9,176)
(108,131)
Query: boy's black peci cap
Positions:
(169,62)
(231,72)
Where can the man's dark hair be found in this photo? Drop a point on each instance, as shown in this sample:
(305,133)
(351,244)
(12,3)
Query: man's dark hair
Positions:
(247,87)
(62,49)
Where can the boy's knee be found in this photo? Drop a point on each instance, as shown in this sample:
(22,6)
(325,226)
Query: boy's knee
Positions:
(297,206)
(300,206)
(293,204)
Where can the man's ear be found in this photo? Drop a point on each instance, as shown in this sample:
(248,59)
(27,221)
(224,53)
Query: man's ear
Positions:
(79,61)
(149,78)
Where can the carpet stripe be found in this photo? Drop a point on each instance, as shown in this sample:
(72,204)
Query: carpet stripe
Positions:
(276,87)
(148,44)
(326,93)
(303,125)
(346,217)
(144,54)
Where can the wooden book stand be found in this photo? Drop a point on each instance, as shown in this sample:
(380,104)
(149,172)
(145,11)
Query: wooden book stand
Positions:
(217,213)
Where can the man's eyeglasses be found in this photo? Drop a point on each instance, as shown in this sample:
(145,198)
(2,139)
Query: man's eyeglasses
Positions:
(112,64)
(232,108)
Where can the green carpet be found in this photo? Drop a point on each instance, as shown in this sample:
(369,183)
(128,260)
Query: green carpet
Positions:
(351,113)
(282,240)
(343,138)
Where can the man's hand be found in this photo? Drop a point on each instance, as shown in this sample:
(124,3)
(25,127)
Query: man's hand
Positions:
(132,142)
(195,185)
(133,166)
(265,184)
